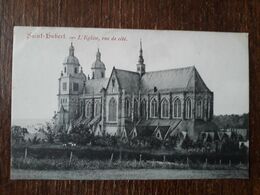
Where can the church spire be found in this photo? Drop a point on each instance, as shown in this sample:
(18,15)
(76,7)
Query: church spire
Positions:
(71,50)
(98,56)
(140,65)
(141,59)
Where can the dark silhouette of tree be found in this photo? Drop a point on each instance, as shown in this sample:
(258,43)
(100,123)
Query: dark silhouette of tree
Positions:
(18,134)
(81,135)
(187,143)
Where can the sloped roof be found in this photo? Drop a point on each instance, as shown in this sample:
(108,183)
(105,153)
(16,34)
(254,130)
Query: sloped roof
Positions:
(163,130)
(177,79)
(160,122)
(128,80)
(95,85)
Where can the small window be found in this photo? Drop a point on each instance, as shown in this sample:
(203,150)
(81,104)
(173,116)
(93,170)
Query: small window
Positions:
(65,69)
(113,82)
(64,86)
(102,75)
(75,86)
(75,70)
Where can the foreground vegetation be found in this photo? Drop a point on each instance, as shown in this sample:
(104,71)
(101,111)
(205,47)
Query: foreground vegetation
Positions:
(77,164)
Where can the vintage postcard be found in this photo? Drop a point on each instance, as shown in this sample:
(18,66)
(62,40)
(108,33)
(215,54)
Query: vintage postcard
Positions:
(99,104)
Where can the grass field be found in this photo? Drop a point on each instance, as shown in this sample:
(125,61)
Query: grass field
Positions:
(126,174)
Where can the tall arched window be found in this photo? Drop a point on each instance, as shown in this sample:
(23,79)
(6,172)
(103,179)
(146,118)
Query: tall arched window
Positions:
(127,108)
(88,109)
(205,110)
(177,108)
(112,107)
(135,108)
(154,108)
(165,108)
(188,108)
(199,109)
(143,108)
(97,108)
(209,108)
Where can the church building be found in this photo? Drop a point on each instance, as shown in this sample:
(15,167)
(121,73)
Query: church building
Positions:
(136,103)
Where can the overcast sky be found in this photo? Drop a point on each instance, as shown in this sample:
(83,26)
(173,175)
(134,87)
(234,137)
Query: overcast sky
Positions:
(220,58)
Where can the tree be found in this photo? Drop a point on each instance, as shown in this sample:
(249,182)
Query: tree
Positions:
(81,135)
(18,134)
(34,140)
(187,143)
(49,132)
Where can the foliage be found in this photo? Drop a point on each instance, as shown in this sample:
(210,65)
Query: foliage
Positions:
(18,134)
(232,121)
(49,132)
(81,135)
(34,140)
(187,143)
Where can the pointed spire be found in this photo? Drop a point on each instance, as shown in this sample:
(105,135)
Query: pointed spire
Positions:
(141,59)
(98,56)
(71,50)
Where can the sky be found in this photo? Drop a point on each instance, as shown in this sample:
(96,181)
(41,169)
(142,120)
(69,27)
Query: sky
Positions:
(38,52)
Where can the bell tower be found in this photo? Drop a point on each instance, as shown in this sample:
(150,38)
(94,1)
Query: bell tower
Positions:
(141,66)
(98,67)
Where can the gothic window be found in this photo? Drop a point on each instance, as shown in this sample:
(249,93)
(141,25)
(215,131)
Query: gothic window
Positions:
(154,108)
(112,107)
(97,109)
(102,75)
(199,109)
(208,108)
(177,108)
(165,108)
(188,108)
(143,108)
(127,108)
(113,84)
(75,70)
(64,86)
(88,109)
(75,86)
(135,108)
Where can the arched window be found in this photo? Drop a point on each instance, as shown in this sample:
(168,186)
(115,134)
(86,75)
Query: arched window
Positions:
(165,108)
(177,108)
(143,108)
(97,109)
(112,107)
(199,109)
(88,109)
(188,108)
(154,109)
(209,107)
(135,108)
(127,108)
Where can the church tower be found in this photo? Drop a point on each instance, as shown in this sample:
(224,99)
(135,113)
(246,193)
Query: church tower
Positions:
(71,84)
(98,67)
(141,66)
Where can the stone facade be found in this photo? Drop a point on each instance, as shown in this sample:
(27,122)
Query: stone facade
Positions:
(128,101)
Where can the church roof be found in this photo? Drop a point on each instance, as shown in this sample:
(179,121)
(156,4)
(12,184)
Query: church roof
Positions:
(179,79)
(71,60)
(95,85)
(128,80)
(98,64)
(176,79)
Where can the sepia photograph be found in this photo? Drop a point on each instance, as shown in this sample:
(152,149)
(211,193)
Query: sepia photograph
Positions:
(123,104)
